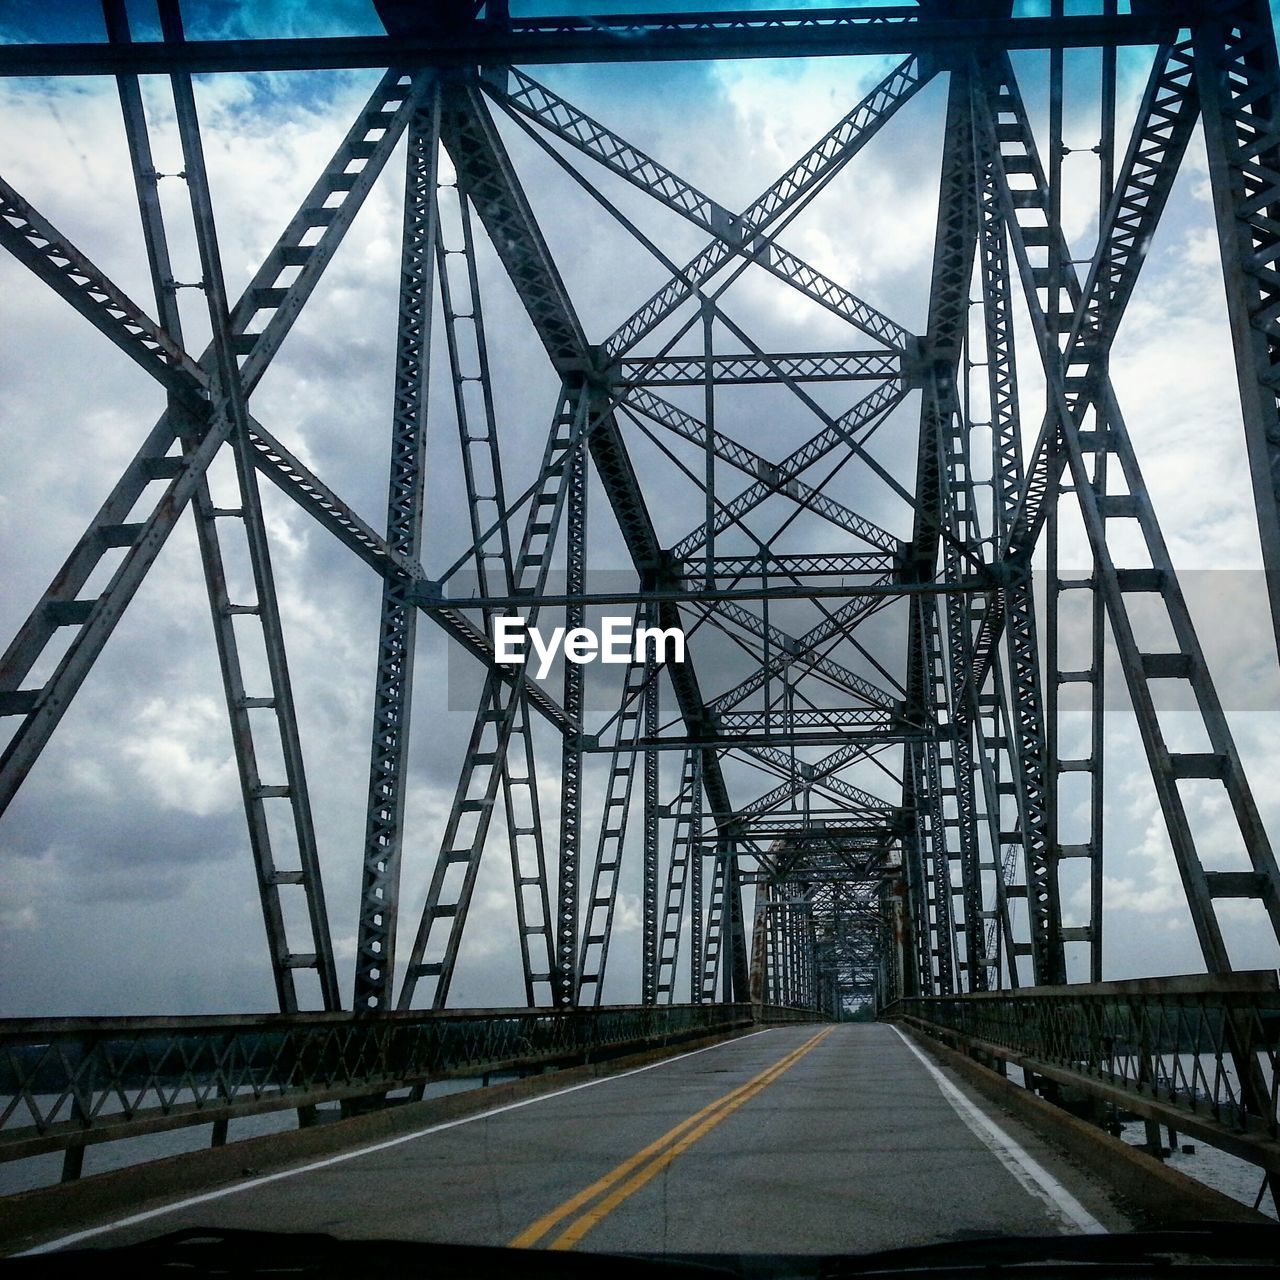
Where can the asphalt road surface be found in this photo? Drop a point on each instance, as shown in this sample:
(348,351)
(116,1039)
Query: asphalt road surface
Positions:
(795,1139)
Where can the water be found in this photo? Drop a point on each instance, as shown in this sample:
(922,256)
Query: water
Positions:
(1205,1163)
(1226,1173)
(1217,1169)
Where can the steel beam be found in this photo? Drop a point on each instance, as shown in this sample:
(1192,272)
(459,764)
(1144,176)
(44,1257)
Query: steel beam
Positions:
(393,686)
(602,38)
(1237,73)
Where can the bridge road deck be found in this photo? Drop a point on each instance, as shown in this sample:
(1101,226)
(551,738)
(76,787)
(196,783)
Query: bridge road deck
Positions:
(794,1139)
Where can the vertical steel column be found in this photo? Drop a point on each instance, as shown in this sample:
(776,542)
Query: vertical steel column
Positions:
(759,953)
(914,973)
(1133,206)
(782,914)
(811,996)
(737,979)
(649,906)
(709,454)
(935,372)
(1094,673)
(1003,122)
(146,182)
(397,630)
(686,851)
(795,933)
(946,927)
(714,939)
(566,956)
(994,738)
(953,464)
(523,812)
(917,969)
(1050,952)
(696,943)
(1098,618)
(615,810)
(777,985)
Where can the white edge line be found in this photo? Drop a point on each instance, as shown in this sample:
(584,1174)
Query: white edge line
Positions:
(63,1242)
(1029,1172)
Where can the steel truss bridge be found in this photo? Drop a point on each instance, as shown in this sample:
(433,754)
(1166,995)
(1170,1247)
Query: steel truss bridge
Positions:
(851,793)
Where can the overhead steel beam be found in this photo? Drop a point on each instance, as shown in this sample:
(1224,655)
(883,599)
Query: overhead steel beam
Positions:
(750,370)
(805,33)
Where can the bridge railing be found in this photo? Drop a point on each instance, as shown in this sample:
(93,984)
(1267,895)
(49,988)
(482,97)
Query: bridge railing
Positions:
(1199,1053)
(69,1082)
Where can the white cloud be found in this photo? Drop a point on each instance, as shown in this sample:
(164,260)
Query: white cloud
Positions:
(169,742)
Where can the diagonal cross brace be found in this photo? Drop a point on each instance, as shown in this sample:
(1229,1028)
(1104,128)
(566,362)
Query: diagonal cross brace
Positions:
(387,791)
(367,144)
(1238,74)
(814,168)
(1223,763)
(771,478)
(853,429)
(38,244)
(819,775)
(1165,119)
(1166,116)
(734,235)
(828,629)
(817,663)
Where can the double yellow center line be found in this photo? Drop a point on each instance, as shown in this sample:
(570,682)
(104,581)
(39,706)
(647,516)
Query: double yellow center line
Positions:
(633,1173)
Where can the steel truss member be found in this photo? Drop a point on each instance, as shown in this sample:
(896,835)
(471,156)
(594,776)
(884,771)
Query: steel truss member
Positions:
(393,695)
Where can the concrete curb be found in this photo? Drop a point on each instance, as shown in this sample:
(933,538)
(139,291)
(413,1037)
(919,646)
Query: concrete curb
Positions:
(32,1217)
(1159,1196)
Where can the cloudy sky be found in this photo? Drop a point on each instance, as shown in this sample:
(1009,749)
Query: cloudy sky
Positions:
(127,883)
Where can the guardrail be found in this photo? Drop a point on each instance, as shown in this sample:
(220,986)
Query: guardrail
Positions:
(69,1082)
(1199,1054)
